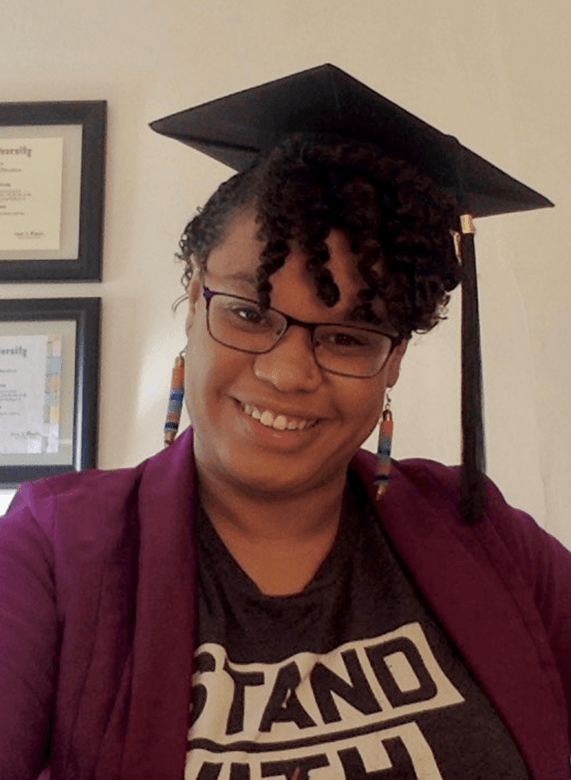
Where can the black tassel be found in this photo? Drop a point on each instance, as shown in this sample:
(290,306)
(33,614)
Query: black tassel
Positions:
(472,481)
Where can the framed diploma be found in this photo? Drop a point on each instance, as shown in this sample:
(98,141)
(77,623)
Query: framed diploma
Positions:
(49,378)
(52,174)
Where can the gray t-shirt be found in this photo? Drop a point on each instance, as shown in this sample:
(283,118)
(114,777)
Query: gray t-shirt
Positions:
(353,678)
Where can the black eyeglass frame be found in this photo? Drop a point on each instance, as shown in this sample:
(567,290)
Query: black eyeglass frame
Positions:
(209,294)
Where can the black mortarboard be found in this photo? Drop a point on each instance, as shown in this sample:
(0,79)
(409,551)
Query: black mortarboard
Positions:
(325,100)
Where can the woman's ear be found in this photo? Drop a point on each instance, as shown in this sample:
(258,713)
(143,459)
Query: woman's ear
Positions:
(194,290)
(395,359)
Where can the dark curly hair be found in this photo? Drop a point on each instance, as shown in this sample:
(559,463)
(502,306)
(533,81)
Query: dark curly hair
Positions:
(398,226)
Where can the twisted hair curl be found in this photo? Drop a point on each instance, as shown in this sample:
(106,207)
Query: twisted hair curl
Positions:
(397,224)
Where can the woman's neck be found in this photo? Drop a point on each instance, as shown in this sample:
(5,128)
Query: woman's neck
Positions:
(280,541)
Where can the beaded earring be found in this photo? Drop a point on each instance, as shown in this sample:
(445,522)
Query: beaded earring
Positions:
(384,449)
(176,395)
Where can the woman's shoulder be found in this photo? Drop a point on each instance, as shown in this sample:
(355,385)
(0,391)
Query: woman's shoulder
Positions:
(414,476)
(419,483)
(81,490)
(428,478)
(89,501)
(70,518)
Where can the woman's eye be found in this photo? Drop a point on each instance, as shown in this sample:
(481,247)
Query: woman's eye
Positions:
(248,315)
(345,339)
(251,315)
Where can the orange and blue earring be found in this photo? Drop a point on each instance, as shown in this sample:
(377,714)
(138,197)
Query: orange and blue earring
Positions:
(176,395)
(384,449)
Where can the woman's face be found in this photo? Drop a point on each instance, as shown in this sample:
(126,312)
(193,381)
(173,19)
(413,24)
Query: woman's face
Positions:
(333,414)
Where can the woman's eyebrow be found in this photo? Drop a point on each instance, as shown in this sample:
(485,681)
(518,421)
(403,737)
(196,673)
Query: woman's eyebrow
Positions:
(236,282)
(244,277)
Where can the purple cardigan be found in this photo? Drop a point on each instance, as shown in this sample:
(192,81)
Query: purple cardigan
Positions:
(97,575)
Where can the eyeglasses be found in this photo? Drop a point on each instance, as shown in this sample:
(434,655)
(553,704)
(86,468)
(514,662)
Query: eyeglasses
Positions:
(348,350)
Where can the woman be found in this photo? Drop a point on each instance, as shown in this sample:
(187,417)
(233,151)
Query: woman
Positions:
(335,634)
(275,433)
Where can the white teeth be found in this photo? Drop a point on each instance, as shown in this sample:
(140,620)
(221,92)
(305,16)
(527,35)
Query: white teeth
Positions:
(277,421)
(280,422)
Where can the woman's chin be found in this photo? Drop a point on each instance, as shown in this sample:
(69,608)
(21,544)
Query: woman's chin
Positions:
(269,477)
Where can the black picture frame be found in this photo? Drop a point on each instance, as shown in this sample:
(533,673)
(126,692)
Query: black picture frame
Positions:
(82,189)
(83,316)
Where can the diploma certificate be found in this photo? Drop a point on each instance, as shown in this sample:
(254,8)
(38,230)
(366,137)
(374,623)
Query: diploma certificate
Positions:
(31,171)
(30,380)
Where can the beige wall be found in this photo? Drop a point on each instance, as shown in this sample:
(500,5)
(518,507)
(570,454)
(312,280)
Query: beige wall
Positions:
(494,73)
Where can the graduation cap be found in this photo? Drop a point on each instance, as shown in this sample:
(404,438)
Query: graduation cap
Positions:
(326,100)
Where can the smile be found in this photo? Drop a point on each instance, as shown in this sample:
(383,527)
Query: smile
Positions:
(277,421)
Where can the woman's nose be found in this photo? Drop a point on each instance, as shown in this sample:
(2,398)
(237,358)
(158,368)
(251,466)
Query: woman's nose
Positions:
(290,366)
